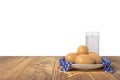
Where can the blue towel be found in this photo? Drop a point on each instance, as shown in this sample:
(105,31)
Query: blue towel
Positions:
(66,65)
(107,67)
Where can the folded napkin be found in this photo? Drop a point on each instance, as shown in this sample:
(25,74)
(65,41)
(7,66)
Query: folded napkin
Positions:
(107,67)
(66,65)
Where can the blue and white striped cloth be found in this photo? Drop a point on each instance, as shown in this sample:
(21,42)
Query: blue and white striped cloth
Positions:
(66,65)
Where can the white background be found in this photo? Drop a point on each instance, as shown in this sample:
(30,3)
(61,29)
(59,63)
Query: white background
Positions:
(57,27)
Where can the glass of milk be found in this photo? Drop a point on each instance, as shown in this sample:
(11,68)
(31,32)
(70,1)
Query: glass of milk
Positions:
(92,41)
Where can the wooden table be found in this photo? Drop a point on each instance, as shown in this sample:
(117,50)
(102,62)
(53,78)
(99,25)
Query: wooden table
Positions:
(45,68)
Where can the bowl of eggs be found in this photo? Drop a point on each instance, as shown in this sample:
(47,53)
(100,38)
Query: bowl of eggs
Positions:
(83,59)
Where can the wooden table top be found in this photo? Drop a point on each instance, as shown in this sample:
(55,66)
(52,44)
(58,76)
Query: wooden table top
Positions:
(45,68)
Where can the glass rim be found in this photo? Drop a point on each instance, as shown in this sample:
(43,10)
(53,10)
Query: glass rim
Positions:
(92,33)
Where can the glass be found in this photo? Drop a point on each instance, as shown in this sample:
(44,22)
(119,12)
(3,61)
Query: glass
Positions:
(92,41)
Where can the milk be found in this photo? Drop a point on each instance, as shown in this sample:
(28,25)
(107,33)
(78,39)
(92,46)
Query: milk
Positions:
(92,41)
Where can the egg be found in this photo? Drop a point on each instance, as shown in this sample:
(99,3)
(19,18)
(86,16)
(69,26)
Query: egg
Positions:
(84,59)
(82,49)
(71,57)
(96,57)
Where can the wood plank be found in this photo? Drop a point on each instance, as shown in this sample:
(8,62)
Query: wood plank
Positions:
(27,70)
(103,76)
(116,67)
(114,58)
(9,63)
(11,71)
(44,69)
(117,75)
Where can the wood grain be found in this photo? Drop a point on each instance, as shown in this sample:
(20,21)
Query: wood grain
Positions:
(45,68)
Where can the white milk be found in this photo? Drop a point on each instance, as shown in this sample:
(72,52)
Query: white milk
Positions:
(92,41)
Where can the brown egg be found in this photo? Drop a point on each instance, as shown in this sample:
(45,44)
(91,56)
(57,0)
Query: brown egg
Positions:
(71,57)
(96,57)
(84,59)
(82,49)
